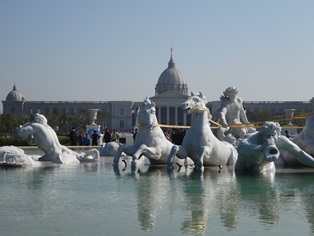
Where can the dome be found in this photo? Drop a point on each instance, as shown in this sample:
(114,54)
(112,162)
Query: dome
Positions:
(15,95)
(171,79)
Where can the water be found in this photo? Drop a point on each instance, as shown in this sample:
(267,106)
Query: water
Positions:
(95,199)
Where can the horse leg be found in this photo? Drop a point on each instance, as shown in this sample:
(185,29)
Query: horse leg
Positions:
(171,156)
(129,150)
(203,151)
(176,151)
(142,149)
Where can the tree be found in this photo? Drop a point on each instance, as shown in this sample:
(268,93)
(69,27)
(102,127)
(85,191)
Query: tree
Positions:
(9,122)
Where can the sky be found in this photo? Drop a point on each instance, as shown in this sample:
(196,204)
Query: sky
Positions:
(101,50)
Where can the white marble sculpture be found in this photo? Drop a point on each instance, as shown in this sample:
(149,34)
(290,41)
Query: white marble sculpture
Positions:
(305,139)
(150,140)
(231,113)
(258,151)
(109,149)
(40,133)
(14,156)
(199,143)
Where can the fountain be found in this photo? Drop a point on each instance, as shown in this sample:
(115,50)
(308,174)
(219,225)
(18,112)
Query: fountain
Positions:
(53,199)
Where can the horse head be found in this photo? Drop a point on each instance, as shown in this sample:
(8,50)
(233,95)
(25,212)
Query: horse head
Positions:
(195,103)
(147,114)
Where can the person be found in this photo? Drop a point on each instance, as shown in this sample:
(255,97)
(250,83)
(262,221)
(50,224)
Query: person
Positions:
(80,139)
(73,138)
(86,140)
(114,136)
(134,135)
(95,138)
(107,136)
(287,134)
(232,112)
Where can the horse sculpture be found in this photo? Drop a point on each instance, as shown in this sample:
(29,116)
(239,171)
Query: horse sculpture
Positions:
(150,140)
(199,143)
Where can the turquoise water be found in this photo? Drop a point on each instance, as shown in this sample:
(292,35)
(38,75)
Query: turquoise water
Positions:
(96,199)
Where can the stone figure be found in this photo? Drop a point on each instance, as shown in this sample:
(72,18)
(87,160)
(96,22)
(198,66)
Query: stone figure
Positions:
(14,156)
(109,149)
(199,143)
(231,112)
(150,139)
(39,132)
(258,151)
(305,139)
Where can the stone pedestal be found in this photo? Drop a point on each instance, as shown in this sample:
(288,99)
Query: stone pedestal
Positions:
(93,116)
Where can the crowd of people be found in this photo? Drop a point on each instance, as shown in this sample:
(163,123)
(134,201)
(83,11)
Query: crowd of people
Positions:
(175,135)
(78,139)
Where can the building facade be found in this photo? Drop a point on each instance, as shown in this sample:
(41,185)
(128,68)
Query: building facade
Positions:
(170,92)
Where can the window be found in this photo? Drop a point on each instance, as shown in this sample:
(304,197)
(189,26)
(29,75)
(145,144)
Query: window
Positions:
(121,111)
(121,124)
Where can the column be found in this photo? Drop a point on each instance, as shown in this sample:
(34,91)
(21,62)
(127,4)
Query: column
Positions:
(159,114)
(176,115)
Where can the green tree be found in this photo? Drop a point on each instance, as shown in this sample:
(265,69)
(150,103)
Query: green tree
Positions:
(9,122)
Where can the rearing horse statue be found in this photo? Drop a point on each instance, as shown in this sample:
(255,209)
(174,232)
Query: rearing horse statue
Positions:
(199,143)
(150,140)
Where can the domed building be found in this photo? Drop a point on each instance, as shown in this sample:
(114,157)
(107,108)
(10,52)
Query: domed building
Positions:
(171,79)
(14,102)
(170,92)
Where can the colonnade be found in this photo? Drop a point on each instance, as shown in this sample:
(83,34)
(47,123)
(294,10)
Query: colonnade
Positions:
(172,115)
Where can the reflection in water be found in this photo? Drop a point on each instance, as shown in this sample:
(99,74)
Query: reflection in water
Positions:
(154,200)
(261,196)
(203,190)
(209,194)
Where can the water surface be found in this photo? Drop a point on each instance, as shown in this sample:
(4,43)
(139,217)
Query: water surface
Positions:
(96,199)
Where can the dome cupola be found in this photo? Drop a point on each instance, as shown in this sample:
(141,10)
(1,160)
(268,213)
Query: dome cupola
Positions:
(171,79)
(14,95)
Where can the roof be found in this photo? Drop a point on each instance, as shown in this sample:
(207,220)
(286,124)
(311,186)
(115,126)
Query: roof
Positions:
(15,95)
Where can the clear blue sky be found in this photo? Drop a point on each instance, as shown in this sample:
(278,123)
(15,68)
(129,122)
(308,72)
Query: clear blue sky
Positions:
(116,50)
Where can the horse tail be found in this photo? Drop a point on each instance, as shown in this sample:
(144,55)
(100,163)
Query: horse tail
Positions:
(234,155)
